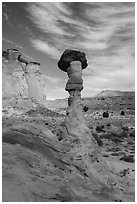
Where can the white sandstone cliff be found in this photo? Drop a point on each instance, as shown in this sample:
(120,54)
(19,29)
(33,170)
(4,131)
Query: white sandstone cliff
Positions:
(21,81)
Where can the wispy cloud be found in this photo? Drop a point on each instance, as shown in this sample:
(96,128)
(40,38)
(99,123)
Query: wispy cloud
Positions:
(45,47)
(104,31)
(52,79)
(61,25)
(12,44)
(46,17)
(5,15)
(7,19)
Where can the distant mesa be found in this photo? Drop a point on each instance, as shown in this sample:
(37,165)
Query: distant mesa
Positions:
(113,93)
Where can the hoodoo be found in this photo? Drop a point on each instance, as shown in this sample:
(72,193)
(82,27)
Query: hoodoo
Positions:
(73,62)
(76,130)
(84,150)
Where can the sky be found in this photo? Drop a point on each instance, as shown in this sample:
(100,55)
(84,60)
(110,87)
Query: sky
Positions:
(105,31)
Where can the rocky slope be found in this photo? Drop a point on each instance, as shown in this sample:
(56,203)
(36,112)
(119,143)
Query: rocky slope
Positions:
(37,167)
(112,101)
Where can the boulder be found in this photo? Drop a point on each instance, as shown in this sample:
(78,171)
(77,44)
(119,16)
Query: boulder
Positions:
(69,56)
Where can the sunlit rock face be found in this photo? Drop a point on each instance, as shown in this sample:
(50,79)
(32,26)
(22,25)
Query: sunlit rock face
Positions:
(21,80)
(74,118)
(75,81)
(84,149)
(11,54)
(77,132)
(13,80)
(36,84)
(73,62)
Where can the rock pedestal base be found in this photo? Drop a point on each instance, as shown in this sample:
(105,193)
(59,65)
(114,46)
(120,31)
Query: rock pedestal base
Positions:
(84,152)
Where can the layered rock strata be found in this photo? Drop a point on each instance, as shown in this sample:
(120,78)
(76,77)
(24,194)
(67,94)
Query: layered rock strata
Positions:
(84,150)
(21,78)
(76,131)
(73,62)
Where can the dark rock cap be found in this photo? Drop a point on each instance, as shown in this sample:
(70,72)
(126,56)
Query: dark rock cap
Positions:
(10,54)
(12,50)
(36,63)
(14,54)
(22,60)
(26,62)
(69,56)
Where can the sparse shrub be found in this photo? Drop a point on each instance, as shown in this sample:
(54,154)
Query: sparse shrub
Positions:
(116,139)
(105,135)
(122,113)
(121,153)
(132,149)
(105,155)
(108,124)
(129,158)
(123,134)
(119,200)
(108,150)
(125,128)
(130,143)
(31,111)
(59,135)
(114,154)
(132,134)
(85,108)
(115,149)
(106,114)
(100,128)
(113,136)
(124,172)
(102,99)
(97,138)
(90,127)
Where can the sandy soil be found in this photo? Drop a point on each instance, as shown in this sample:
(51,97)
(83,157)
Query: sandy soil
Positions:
(36,167)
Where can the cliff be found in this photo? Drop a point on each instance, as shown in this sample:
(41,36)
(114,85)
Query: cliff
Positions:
(21,79)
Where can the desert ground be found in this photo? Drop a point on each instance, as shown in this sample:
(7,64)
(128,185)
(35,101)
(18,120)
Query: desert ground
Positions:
(36,166)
